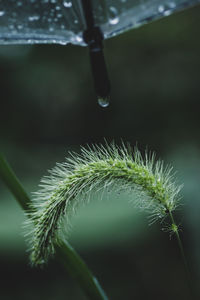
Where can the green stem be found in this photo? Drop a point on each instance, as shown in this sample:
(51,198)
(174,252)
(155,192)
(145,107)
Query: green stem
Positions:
(79,271)
(187,271)
(71,260)
(8,176)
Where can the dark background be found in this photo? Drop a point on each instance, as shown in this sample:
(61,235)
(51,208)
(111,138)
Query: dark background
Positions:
(48,106)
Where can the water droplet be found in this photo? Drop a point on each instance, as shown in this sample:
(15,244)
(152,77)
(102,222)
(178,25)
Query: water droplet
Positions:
(114,19)
(67,4)
(166,9)
(19,26)
(161,8)
(167,13)
(2,13)
(103,102)
(34,18)
(63,43)
(79,39)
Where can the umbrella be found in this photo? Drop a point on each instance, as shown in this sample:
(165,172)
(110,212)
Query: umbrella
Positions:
(80,22)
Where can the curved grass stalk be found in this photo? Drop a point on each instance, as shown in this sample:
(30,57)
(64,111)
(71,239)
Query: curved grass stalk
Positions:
(97,168)
(94,169)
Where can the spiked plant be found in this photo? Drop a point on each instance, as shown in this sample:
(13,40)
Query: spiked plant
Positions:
(95,169)
(69,183)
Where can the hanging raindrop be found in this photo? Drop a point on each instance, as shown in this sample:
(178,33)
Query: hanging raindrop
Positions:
(104,102)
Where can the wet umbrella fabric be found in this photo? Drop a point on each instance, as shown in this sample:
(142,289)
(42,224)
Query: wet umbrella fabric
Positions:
(40,21)
(80,22)
(61,21)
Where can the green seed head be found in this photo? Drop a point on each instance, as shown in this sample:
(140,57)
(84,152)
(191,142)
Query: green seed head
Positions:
(96,169)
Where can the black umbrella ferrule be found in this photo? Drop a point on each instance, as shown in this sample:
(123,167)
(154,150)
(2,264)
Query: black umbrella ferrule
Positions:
(93,37)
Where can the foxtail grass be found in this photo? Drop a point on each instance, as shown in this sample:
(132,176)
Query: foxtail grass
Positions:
(97,168)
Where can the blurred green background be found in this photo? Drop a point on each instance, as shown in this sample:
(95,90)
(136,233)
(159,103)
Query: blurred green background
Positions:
(48,106)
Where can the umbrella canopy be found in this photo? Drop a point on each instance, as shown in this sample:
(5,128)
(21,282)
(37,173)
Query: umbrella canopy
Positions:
(63,21)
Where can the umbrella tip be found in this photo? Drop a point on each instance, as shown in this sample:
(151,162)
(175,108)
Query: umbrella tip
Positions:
(104,101)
